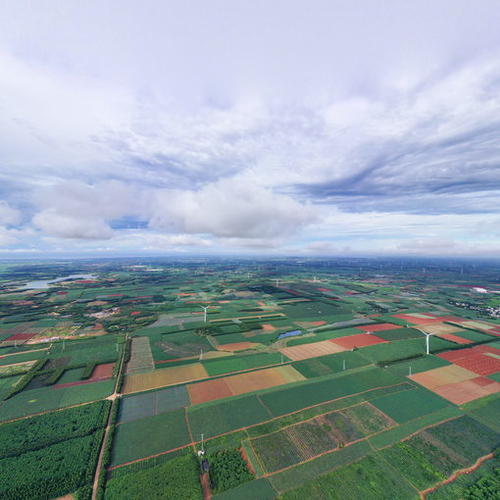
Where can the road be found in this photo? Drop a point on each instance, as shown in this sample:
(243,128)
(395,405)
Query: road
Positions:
(108,428)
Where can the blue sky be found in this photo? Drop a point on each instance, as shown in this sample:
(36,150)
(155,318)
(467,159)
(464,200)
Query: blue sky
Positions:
(283,127)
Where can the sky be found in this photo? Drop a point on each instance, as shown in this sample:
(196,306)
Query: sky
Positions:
(278,127)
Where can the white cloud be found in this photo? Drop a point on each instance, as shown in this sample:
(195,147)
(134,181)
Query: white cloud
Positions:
(8,215)
(71,226)
(390,123)
(235,207)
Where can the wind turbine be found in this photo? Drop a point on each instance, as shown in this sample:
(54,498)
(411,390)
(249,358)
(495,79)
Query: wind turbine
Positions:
(277,282)
(205,312)
(427,335)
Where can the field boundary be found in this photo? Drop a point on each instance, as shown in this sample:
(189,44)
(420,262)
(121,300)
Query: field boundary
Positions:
(194,443)
(456,475)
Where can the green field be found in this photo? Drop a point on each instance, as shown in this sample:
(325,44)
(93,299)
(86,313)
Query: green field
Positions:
(368,478)
(38,400)
(354,426)
(149,436)
(407,405)
(287,400)
(238,363)
(177,478)
(333,363)
(218,417)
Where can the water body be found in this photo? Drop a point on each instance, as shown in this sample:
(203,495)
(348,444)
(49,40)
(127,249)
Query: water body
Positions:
(41,284)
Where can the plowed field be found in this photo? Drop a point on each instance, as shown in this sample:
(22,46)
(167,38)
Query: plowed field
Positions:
(313,350)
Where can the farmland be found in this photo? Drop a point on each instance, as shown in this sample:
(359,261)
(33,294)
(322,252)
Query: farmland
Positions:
(316,385)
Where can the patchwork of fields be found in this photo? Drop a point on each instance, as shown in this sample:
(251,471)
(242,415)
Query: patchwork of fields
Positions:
(302,388)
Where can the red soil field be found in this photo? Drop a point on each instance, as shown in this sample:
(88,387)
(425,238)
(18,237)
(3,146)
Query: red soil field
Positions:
(102,372)
(262,379)
(480,364)
(454,355)
(482,381)
(439,377)
(267,327)
(455,319)
(454,338)
(209,390)
(236,346)
(21,336)
(313,350)
(468,390)
(135,313)
(487,348)
(417,321)
(471,351)
(377,327)
(361,340)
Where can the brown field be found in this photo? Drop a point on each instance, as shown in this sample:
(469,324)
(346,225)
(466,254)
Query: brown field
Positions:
(102,371)
(445,375)
(439,328)
(253,316)
(310,324)
(164,377)
(234,385)
(468,390)
(267,327)
(454,338)
(478,324)
(237,346)
(377,327)
(359,340)
(313,350)
(201,392)
(262,379)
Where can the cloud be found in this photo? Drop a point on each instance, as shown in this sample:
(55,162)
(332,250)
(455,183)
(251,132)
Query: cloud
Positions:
(9,216)
(364,132)
(71,226)
(230,208)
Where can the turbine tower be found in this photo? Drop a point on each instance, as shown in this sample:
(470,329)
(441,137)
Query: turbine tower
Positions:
(205,312)
(427,346)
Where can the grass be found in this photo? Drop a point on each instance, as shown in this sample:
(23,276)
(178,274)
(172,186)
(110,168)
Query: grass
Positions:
(294,477)
(148,436)
(399,334)
(39,400)
(417,365)
(407,405)
(460,487)
(400,349)
(339,404)
(333,363)
(237,363)
(368,478)
(290,399)
(488,412)
(466,437)
(219,417)
(153,403)
(416,460)
(260,489)
(402,431)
